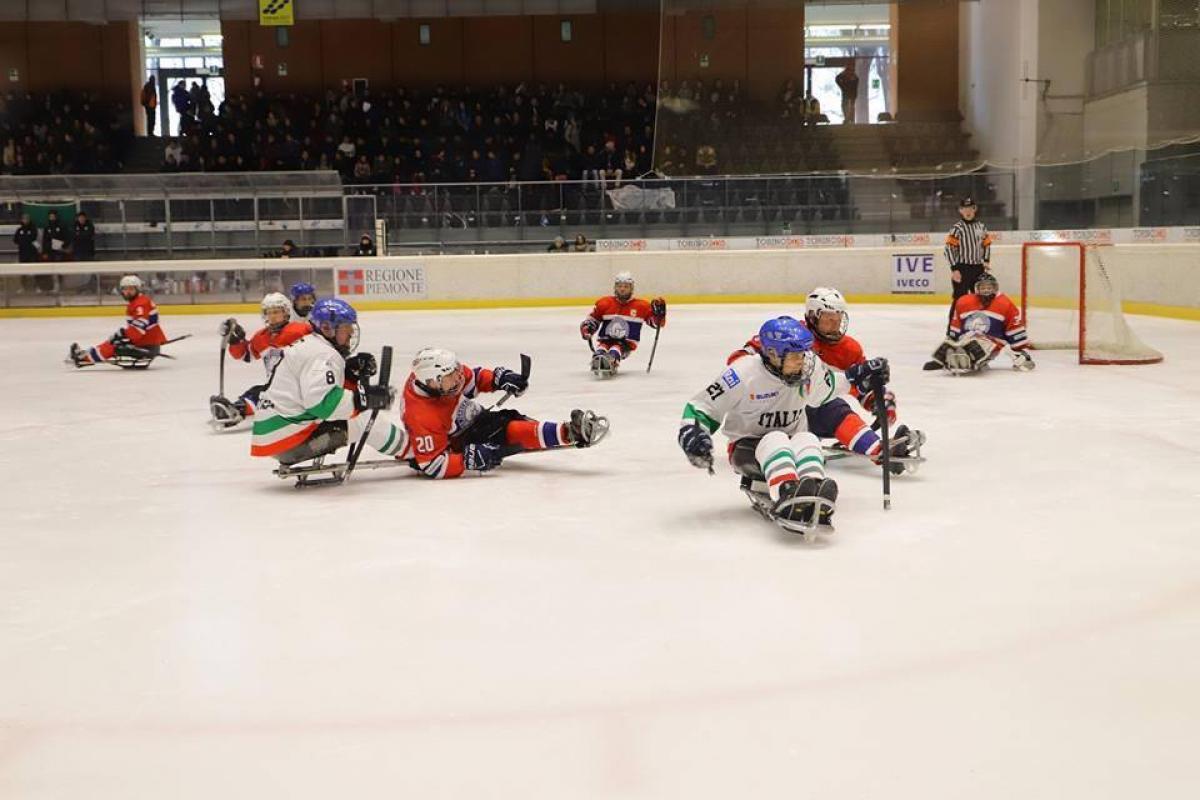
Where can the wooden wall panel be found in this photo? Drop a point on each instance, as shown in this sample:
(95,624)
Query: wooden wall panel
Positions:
(497,49)
(439,62)
(580,62)
(926,59)
(354,48)
(631,47)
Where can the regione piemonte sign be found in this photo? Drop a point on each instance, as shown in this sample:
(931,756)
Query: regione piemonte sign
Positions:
(391,283)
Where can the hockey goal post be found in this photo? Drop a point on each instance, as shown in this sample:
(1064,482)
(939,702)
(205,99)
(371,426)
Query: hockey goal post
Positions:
(1071,300)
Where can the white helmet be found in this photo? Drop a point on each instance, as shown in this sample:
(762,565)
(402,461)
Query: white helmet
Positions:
(130,281)
(432,364)
(618,279)
(276,300)
(822,299)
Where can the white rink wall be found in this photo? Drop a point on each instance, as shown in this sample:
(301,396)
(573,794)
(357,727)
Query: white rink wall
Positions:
(1153,278)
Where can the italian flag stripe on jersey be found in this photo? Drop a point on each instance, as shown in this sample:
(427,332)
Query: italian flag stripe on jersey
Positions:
(693,414)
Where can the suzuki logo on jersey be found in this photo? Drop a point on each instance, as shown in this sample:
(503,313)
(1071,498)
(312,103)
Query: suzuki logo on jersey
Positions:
(764,395)
(778,419)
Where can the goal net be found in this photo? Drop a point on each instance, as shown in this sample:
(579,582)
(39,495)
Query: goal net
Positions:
(1071,300)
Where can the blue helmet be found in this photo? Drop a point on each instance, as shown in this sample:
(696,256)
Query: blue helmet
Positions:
(302,288)
(328,314)
(781,336)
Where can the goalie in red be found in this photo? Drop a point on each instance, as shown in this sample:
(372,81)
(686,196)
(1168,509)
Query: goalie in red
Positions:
(133,346)
(984,323)
(616,321)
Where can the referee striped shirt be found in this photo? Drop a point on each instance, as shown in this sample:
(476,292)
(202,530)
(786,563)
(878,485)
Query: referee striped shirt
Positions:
(968,243)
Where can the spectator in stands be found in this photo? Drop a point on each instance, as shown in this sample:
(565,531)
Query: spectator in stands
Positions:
(173,156)
(847,81)
(181,99)
(582,245)
(150,104)
(83,243)
(791,103)
(25,239)
(812,110)
(289,249)
(366,246)
(54,238)
(559,245)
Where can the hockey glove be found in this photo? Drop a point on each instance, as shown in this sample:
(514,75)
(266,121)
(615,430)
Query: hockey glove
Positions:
(1022,361)
(697,444)
(481,457)
(373,398)
(864,374)
(118,339)
(231,331)
(588,328)
(360,367)
(506,380)
(658,312)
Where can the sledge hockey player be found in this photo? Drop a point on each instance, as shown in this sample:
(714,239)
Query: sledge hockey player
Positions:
(313,402)
(304,297)
(616,321)
(984,323)
(136,344)
(773,408)
(448,432)
(827,318)
(277,332)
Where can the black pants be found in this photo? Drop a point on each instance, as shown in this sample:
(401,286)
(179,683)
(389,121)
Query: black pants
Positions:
(490,427)
(970,274)
(328,437)
(743,459)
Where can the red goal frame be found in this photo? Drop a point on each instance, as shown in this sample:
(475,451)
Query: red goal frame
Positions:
(1081,308)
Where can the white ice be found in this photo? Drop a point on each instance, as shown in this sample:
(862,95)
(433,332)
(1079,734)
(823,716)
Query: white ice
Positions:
(175,622)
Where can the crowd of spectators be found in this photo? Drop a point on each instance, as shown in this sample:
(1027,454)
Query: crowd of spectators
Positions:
(443,135)
(62,132)
(55,241)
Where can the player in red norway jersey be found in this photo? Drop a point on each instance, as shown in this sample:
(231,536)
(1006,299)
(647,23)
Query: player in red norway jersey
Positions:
(449,434)
(827,317)
(616,321)
(266,343)
(135,345)
(984,323)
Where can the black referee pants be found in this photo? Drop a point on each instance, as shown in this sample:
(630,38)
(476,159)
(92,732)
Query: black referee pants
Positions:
(970,274)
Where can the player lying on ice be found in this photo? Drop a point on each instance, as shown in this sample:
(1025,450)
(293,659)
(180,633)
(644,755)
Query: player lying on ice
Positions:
(827,318)
(448,432)
(985,323)
(616,321)
(136,344)
(276,333)
(773,408)
(313,402)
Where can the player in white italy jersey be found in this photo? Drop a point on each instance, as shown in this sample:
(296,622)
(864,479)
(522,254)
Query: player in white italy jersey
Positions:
(313,402)
(772,409)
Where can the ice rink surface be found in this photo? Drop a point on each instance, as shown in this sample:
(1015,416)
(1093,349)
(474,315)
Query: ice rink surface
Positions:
(175,622)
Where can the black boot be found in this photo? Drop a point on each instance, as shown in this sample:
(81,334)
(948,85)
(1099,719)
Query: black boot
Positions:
(795,503)
(828,490)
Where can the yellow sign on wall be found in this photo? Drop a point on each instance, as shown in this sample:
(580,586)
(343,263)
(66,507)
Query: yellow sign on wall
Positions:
(276,12)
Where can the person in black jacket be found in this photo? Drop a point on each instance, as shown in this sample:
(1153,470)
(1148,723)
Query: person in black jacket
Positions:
(366,247)
(26,241)
(84,242)
(54,238)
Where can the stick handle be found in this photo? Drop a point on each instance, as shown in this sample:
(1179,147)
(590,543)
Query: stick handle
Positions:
(885,436)
(654,348)
(385,374)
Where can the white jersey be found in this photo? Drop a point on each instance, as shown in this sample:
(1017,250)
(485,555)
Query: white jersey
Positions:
(747,400)
(304,390)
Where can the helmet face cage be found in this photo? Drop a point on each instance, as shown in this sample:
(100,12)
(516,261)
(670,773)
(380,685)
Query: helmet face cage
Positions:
(783,337)
(431,366)
(987,287)
(301,290)
(822,301)
(130,282)
(276,302)
(623,279)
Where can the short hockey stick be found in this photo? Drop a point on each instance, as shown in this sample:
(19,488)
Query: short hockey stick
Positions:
(884,435)
(653,348)
(385,374)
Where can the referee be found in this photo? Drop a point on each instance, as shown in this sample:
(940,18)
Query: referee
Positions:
(969,251)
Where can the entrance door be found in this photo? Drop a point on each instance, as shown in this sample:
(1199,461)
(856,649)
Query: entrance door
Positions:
(167,80)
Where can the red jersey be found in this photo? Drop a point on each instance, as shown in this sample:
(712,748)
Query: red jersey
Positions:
(265,339)
(433,420)
(999,320)
(843,354)
(141,327)
(622,322)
